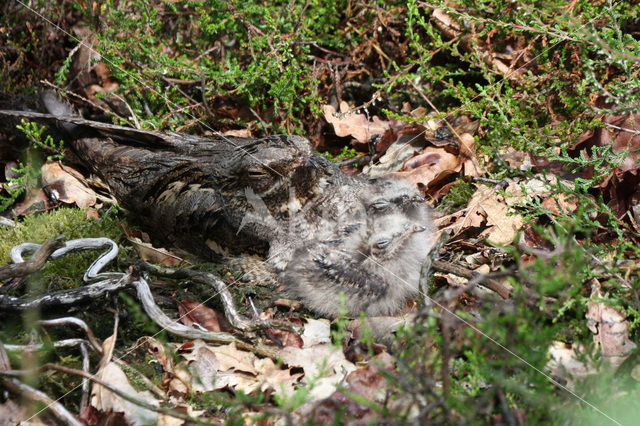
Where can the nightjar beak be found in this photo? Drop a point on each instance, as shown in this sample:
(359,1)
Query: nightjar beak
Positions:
(419,228)
(308,162)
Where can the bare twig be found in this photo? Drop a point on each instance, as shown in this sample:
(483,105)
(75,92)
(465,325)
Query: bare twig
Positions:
(65,343)
(84,401)
(209,279)
(364,159)
(16,386)
(150,307)
(36,262)
(116,280)
(262,123)
(108,386)
(442,266)
(203,87)
(75,321)
(65,297)
(509,418)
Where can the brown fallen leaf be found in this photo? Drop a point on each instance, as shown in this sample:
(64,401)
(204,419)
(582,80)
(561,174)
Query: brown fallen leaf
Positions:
(518,192)
(325,411)
(228,357)
(619,131)
(323,365)
(368,383)
(204,367)
(105,400)
(36,200)
(365,382)
(460,220)
(135,233)
(502,224)
(220,367)
(468,158)
(240,133)
(155,255)
(316,332)
(93,214)
(427,158)
(452,28)
(609,326)
(436,161)
(564,363)
(274,378)
(285,338)
(65,186)
(192,312)
(405,147)
(355,125)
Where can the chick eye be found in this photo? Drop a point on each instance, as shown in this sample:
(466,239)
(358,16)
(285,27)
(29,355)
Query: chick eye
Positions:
(383,243)
(380,206)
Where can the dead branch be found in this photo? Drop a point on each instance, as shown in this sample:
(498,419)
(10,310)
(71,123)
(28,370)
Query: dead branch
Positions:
(75,321)
(156,314)
(65,297)
(442,266)
(117,280)
(65,343)
(96,380)
(111,280)
(231,313)
(36,262)
(16,386)
(84,401)
(234,318)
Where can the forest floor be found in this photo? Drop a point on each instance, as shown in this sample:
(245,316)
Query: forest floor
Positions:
(519,123)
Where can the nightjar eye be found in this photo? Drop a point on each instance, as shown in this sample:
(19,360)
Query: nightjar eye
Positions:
(257,174)
(383,243)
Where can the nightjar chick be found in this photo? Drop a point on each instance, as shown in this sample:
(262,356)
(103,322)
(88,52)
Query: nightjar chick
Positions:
(374,257)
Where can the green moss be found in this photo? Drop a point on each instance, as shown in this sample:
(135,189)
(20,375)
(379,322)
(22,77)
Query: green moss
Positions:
(459,195)
(134,374)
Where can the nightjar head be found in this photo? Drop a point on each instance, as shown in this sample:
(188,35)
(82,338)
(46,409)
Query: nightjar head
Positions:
(277,169)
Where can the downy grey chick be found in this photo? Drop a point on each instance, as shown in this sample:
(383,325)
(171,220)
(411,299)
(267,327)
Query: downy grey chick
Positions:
(374,258)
